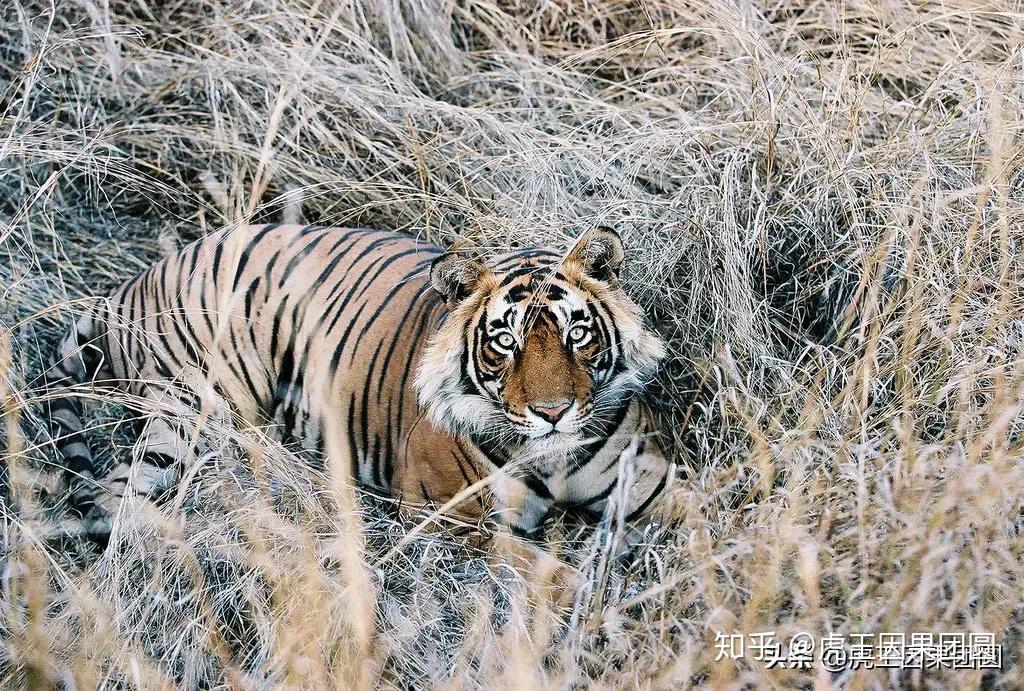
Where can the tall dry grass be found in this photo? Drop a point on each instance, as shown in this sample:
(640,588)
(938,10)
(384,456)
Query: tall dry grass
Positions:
(822,204)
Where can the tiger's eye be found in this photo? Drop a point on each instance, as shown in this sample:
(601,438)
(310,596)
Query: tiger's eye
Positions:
(505,340)
(577,333)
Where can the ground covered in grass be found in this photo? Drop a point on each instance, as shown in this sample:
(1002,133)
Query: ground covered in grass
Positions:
(822,205)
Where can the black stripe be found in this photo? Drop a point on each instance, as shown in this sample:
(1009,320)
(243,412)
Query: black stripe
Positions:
(356,236)
(246,377)
(159,459)
(511,276)
(351,428)
(345,335)
(603,494)
(493,451)
(465,476)
(78,464)
(536,533)
(382,306)
(647,502)
(605,429)
(420,326)
(243,259)
(205,310)
(529,253)
(276,330)
(537,486)
(375,467)
(218,253)
(298,256)
(194,258)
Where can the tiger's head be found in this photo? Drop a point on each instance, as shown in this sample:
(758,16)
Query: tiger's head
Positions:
(537,345)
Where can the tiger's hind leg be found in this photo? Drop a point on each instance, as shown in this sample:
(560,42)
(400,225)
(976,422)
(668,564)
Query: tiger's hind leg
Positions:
(154,468)
(160,455)
(79,359)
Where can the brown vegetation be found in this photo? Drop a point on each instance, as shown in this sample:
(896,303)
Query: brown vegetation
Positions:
(822,204)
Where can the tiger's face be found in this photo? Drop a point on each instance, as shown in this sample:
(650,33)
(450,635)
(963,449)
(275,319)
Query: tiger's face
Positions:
(537,344)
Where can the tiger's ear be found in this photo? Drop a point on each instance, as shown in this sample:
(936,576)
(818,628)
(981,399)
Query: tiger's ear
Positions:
(456,275)
(599,252)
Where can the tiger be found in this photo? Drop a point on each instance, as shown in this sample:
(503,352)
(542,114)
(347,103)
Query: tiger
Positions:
(499,388)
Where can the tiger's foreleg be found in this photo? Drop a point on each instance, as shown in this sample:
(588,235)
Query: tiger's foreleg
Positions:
(434,472)
(638,500)
(521,503)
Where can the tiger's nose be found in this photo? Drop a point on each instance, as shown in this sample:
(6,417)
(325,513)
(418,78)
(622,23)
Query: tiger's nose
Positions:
(551,411)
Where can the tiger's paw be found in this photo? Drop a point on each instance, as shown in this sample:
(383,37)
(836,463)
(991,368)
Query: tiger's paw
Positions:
(549,579)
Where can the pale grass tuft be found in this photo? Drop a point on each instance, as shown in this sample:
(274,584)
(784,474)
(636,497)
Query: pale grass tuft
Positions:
(821,204)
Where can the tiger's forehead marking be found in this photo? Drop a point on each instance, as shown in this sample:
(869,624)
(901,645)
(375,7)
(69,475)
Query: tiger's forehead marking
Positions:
(526,270)
(528,280)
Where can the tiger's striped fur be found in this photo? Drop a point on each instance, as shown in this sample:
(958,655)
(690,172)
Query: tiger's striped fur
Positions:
(434,370)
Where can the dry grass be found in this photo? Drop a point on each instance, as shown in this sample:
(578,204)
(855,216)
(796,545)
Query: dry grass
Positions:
(822,203)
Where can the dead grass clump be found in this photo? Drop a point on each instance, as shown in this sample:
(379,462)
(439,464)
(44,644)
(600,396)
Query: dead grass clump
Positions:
(820,204)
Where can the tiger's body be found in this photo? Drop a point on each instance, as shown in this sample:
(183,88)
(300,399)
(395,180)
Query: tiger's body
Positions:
(375,346)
